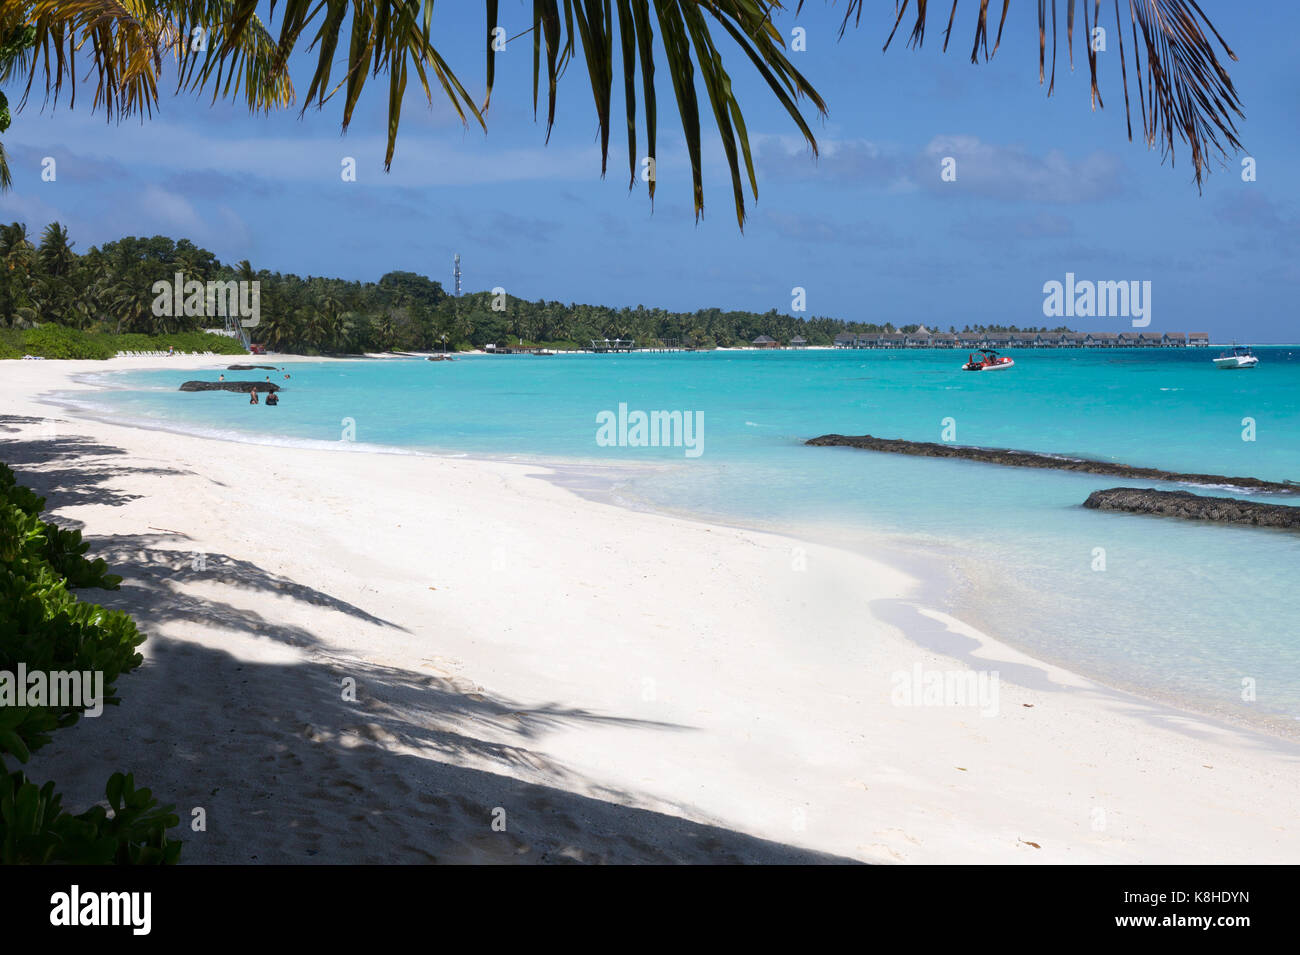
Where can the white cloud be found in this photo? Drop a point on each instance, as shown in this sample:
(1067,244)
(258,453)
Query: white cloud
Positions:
(1012,172)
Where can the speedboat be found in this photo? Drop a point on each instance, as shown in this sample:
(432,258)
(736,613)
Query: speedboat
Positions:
(989,360)
(1239,357)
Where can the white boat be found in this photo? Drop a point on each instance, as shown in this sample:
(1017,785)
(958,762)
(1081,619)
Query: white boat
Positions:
(1239,357)
(989,360)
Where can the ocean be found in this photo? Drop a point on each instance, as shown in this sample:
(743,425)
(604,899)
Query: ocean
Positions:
(1202,616)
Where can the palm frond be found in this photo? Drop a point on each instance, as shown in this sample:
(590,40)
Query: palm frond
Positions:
(127,42)
(1192,98)
(123,39)
(239,58)
(386,37)
(588,28)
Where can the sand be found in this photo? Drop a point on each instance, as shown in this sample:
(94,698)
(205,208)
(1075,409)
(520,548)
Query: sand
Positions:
(544,678)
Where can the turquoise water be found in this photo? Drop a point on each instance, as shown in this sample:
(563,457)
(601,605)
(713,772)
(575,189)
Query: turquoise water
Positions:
(1181,611)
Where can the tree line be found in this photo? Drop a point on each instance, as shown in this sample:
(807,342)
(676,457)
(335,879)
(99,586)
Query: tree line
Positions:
(110,289)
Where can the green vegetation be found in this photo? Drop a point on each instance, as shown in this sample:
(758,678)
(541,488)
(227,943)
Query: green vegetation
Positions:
(58,304)
(59,341)
(45,629)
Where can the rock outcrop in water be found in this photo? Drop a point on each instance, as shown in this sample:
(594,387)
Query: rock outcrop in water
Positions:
(251,368)
(1194,507)
(1034,459)
(244,386)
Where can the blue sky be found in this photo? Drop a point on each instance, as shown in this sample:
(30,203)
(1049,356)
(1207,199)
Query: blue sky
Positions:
(1044,186)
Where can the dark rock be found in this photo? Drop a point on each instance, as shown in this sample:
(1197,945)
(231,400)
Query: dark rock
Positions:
(1034,459)
(244,386)
(1194,507)
(251,367)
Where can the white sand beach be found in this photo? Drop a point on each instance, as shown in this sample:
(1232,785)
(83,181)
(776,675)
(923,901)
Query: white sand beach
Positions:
(616,686)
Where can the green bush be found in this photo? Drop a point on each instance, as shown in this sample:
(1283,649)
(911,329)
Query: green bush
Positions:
(60,341)
(45,628)
(9,342)
(62,548)
(181,341)
(34,829)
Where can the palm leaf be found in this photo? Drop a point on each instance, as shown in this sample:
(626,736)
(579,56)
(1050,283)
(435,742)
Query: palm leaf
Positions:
(1192,97)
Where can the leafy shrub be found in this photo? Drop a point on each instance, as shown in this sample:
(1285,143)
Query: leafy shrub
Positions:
(59,341)
(62,548)
(9,340)
(181,341)
(34,829)
(44,627)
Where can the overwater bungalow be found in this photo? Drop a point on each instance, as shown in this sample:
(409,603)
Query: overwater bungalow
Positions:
(765,341)
(923,338)
(798,342)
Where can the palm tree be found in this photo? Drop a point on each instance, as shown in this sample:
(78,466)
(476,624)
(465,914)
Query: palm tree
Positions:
(1191,97)
(133,305)
(55,253)
(15,247)
(385,328)
(273,330)
(15,267)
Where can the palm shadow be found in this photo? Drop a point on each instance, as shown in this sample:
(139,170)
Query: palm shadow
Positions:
(335,760)
(154,574)
(291,752)
(69,470)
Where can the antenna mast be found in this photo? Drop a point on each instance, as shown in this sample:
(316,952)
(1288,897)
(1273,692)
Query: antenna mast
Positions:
(457,273)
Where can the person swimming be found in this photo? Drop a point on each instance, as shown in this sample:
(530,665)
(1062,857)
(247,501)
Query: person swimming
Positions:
(272,399)
(252,397)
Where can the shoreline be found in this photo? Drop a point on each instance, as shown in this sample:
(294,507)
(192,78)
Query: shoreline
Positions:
(924,561)
(771,720)
(600,481)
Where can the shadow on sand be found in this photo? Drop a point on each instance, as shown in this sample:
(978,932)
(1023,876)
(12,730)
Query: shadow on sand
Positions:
(286,767)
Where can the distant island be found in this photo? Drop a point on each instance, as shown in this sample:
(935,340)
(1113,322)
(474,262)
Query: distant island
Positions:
(995,338)
(57,303)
